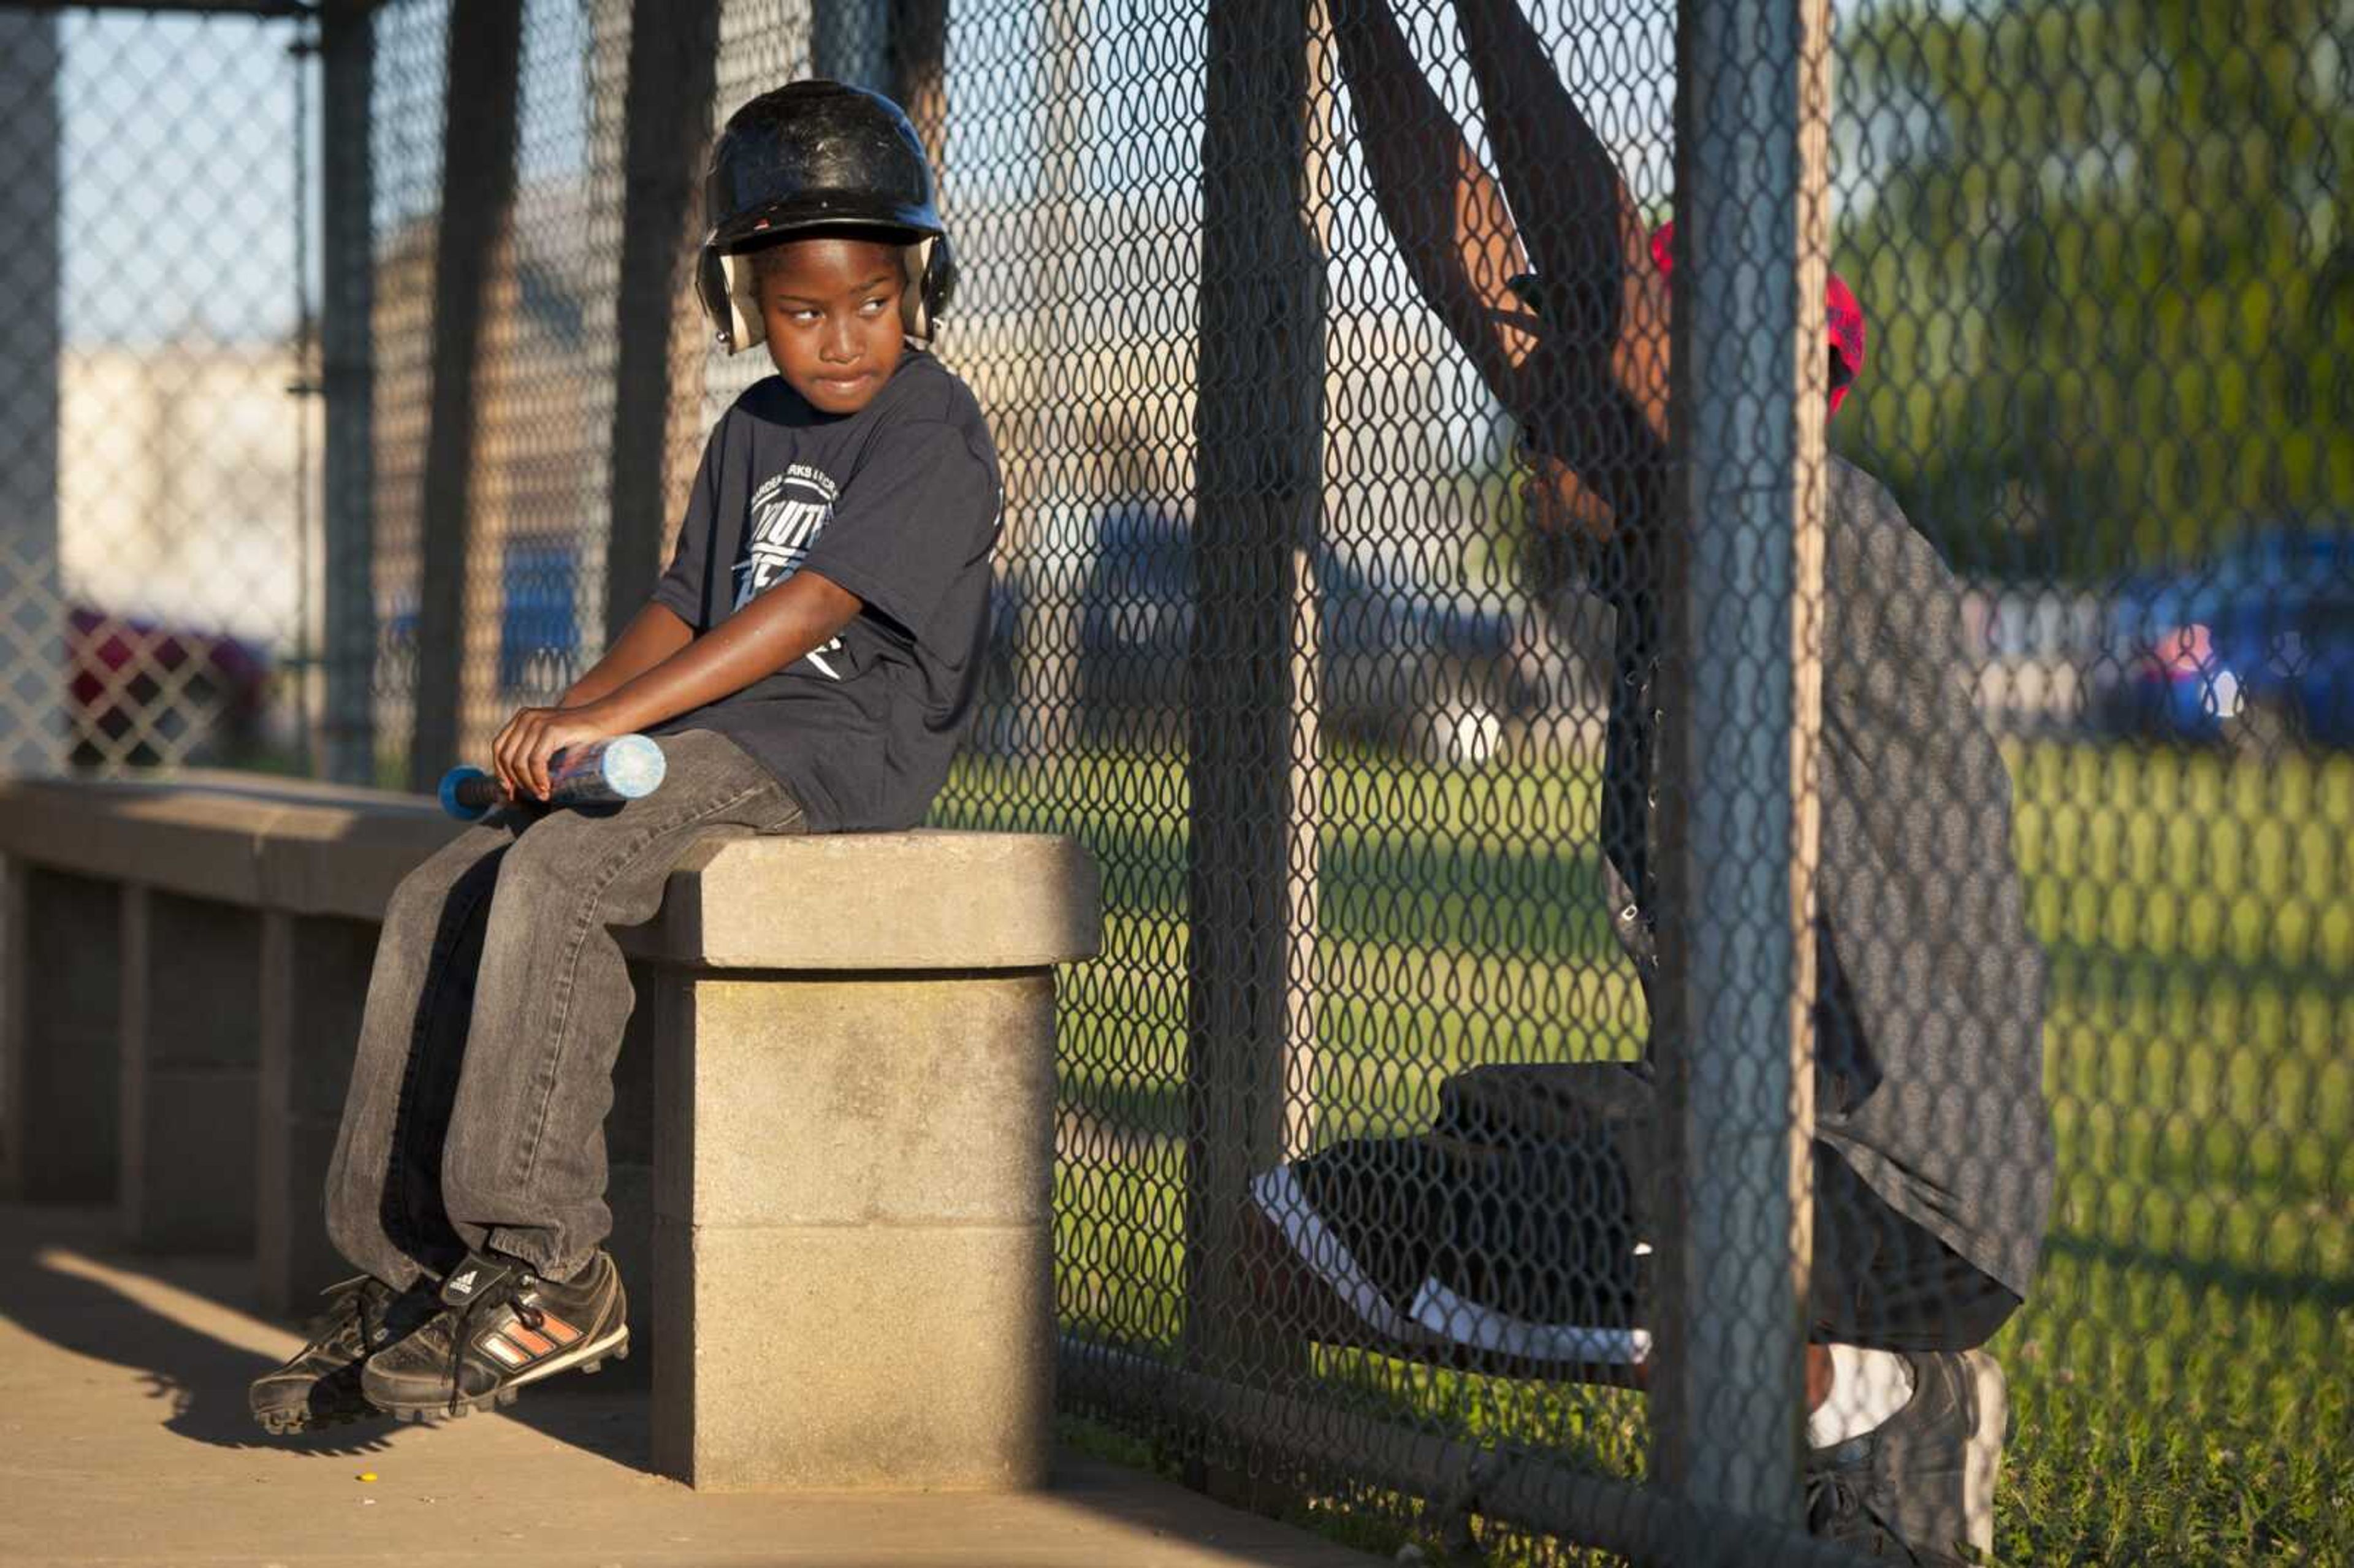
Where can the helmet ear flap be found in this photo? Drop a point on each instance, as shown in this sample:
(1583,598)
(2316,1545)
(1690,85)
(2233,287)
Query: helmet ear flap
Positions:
(751,327)
(930,268)
(915,309)
(730,293)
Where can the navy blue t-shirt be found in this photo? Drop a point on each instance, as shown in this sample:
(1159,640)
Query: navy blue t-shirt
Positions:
(898,504)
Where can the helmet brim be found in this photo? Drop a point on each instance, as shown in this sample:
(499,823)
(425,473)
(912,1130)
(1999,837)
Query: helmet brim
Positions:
(764,225)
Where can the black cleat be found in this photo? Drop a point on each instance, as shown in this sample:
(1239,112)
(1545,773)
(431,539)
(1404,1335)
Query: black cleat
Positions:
(320,1385)
(500,1327)
(1919,1487)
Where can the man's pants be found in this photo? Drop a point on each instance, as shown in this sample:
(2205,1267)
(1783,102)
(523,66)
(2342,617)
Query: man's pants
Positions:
(476,1113)
(1514,1234)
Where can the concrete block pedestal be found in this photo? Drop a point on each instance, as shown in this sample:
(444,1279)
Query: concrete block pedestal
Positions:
(315,978)
(853,1149)
(190,1071)
(60,1001)
(831,1151)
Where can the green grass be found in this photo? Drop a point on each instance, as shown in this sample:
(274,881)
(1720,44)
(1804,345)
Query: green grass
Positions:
(2179,1379)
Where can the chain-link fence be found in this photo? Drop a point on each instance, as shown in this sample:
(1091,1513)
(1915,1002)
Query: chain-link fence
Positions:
(1600,894)
(156,590)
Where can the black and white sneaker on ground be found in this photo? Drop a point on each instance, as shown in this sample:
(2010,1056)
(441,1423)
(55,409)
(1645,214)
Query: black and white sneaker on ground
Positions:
(1919,1487)
(320,1386)
(501,1326)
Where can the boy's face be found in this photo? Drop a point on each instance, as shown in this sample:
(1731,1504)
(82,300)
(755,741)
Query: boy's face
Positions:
(831,305)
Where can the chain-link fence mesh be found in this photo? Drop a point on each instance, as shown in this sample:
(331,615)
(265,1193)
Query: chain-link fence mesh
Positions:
(157,571)
(1402,532)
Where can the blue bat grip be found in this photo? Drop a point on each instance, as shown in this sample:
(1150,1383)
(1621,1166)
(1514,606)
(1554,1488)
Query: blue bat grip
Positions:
(468,793)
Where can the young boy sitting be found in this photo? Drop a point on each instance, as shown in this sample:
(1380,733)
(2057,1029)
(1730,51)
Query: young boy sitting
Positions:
(810,658)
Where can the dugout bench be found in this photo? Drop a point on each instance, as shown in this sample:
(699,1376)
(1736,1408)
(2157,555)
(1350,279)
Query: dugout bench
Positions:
(832,1136)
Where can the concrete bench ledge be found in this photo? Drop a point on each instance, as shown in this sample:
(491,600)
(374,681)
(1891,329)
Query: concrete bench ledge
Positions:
(833,1138)
(878,901)
(931,899)
(241,839)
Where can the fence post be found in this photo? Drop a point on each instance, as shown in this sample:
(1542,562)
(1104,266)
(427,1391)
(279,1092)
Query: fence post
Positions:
(1304,753)
(917,56)
(32,608)
(1737,811)
(666,133)
(347,375)
(478,139)
(1048,492)
(1259,467)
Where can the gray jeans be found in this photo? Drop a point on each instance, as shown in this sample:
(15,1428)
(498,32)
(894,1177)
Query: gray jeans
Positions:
(476,1113)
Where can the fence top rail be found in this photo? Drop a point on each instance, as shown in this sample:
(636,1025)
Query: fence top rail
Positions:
(925,901)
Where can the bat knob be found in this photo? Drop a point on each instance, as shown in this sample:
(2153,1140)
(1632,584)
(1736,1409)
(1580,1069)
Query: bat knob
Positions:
(467,793)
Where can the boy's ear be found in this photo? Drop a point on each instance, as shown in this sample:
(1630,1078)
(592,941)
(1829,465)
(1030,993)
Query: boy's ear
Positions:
(748,327)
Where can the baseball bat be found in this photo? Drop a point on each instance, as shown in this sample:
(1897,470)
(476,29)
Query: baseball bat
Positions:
(627,767)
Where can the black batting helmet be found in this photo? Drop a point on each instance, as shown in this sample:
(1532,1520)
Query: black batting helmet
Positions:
(815,154)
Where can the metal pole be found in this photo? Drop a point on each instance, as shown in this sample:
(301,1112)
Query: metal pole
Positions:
(1303,964)
(347,377)
(1258,482)
(1049,490)
(32,609)
(919,55)
(673,66)
(477,198)
(1738,810)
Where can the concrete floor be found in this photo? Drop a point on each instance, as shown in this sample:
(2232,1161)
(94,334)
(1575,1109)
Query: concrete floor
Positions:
(125,1439)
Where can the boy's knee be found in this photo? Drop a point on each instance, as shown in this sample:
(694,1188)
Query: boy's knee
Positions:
(543,868)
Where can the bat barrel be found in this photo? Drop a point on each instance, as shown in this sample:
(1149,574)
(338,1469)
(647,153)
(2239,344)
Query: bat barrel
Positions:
(633,766)
(627,767)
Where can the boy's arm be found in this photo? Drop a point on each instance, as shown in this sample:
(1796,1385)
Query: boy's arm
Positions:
(795,617)
(653,634)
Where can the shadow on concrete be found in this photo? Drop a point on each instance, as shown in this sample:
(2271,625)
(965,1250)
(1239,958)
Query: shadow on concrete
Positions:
(183,1327)
(62,1279)
(58,1283)
(609,1414)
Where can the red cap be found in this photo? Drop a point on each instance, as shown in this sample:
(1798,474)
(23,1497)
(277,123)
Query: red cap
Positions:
(1844,313)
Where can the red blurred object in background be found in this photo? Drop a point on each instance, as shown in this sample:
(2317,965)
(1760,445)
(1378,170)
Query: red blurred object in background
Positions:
(140,693)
